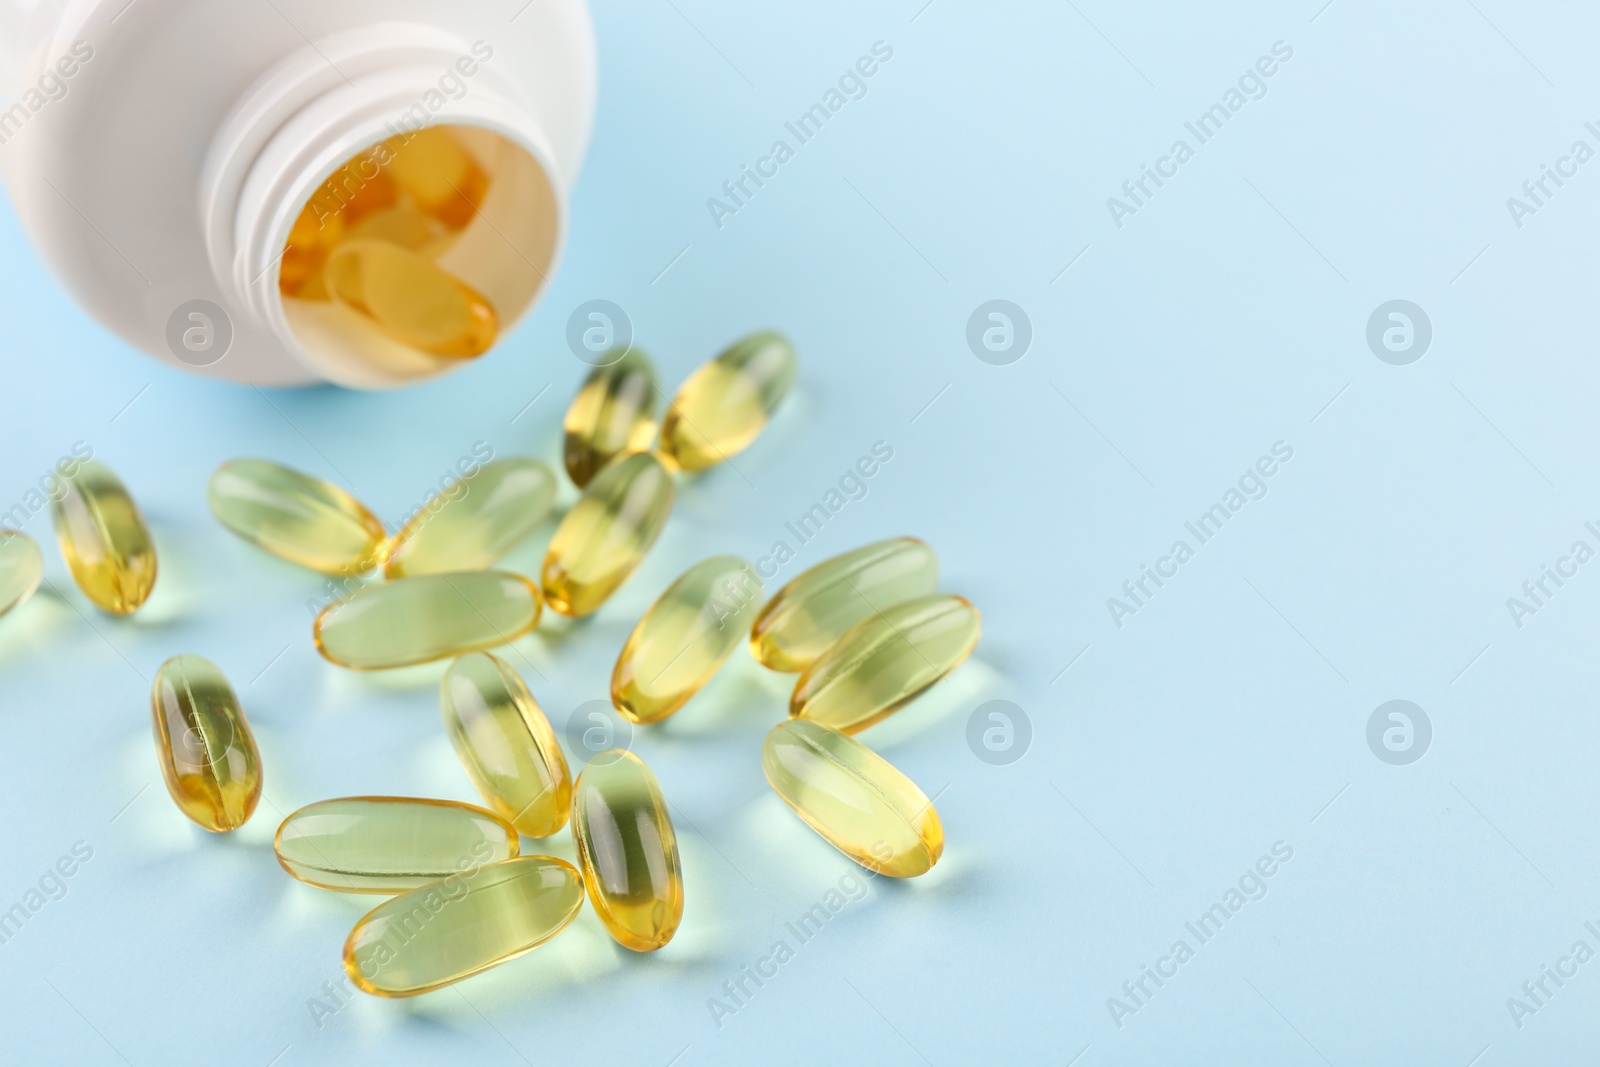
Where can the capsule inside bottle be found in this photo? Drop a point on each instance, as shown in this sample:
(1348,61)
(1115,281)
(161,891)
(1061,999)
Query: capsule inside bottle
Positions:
(606,535)
(476,520)
(821,604)
(451,929)
(506,744)
(438,173)
(723,406)
(854,798)
(418,620)
(684,637)
(628,851)
(612,415)
(411,299)
(883,663)
(207,754)
(104,539)
(21,568)
(389,844)
(296,517)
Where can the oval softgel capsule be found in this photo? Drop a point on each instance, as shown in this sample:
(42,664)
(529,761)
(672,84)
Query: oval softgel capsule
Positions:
(295,516)
(854,798)
(724,405)
(476,520)
(411,299)
(628,851)
(389,844)
(684,637)
(418,620)
(104,539)
(447,930)
(612,415)
(606,535)
(816,608)
(207,754)
(884,662)
(506,744)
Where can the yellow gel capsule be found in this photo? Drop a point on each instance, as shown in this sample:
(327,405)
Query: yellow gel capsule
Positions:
(685,636)
(21,568)
(418,620)
(398,224)
(724,404)
(819,605)
(883,663)
(605,536)
(389,844)
(612,415)
(854,798)
(410,299)
(304,520)
(439,173)
(451,929)
(627,850)
(104,539)
(208,755)
(506,744)
(475,520)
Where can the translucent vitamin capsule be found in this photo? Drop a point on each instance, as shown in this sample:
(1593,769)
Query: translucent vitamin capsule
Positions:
(208,755)
(21,568)
(627,850)
(883,663)
(409,298)
(389,844)
(418,620)
(684,637)
(506,744)
(605,536)
(475,520)
(612,415)
(439,173)
(819,605)
(303,519)
(448,930)
(724,404)
(854,798)
(104,539)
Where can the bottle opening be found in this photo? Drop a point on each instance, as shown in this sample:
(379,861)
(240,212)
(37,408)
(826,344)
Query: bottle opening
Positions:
(418,252)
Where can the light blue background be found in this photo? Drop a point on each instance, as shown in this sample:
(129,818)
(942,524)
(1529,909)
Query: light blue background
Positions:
(1227,715)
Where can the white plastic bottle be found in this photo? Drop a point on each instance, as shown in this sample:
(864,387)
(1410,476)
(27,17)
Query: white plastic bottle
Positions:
(158,152)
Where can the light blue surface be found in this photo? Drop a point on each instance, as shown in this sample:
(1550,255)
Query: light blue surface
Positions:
(1227,715)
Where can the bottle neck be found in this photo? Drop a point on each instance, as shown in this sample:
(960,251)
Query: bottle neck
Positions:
(326,104)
